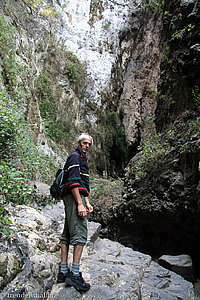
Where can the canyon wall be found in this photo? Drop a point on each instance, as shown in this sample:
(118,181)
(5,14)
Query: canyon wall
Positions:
(87,66)
(161,195)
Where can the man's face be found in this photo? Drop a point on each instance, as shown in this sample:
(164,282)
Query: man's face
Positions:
(85,144)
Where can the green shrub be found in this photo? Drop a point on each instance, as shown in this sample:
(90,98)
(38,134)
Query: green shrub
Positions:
(99,189)
(45,9)
(13,186)
(194,126)
(20,158)
(183,31)
(57,126)
(36,164)
(4,221)
(11,67)
(8,121)
(154,6)
(18,148)
(196,96)
(150,151)
(76,72)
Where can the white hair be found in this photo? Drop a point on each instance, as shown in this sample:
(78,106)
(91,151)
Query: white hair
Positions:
(84,135)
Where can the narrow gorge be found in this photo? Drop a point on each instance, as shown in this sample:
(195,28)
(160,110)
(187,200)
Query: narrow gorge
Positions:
(128,73)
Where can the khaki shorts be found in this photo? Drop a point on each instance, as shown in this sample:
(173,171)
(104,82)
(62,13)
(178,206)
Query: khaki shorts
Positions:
(75,228)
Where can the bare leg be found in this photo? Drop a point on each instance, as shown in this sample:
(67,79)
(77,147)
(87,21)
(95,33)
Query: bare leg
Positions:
(75,279)
(78,249)
(64,252)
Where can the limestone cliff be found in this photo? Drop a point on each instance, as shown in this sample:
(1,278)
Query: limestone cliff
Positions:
(138,68)
(43,79)
(87,65)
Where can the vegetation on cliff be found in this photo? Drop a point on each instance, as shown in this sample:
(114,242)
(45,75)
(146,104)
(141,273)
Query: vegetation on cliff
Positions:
(21,161)
(42,86)
(21,158)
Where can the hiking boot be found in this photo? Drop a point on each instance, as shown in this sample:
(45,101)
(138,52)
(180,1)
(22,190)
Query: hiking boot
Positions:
(62,277)
(77,281)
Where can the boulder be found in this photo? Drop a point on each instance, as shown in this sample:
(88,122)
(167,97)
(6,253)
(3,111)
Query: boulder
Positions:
(42,188)
(3,264)
(180,264)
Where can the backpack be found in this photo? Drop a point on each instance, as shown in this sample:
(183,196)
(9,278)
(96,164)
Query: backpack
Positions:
(57,189)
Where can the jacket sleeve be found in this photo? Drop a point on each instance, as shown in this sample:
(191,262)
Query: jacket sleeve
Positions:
(73,171)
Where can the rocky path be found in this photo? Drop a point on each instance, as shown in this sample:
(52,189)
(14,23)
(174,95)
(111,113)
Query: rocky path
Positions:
(118,272)
(30,263)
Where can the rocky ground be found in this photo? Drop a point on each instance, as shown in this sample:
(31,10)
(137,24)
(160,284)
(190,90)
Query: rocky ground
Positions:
(30,259)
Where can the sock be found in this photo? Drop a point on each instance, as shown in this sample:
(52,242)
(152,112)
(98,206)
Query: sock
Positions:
(64,268)
(75,269)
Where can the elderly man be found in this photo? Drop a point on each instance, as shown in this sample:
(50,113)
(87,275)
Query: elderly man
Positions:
(76,208)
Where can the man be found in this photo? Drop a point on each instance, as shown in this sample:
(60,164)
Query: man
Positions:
(76,208)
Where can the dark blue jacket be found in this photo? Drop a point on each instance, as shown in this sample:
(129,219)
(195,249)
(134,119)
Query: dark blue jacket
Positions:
(77,170)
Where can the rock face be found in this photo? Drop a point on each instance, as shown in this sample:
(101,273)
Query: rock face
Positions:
(45,70)
(158,215)
(121,46)
(118,53)
(34,235)
(90,29)
(107,203)
(180,65)
(140,78)
(160,212)
(30,258)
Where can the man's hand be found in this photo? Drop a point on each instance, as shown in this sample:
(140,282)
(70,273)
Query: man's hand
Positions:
(82,212)
(89,207)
